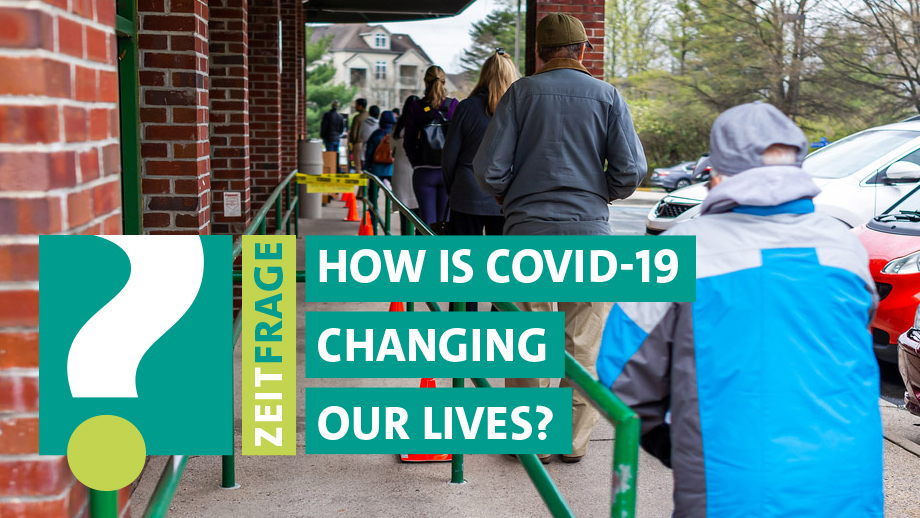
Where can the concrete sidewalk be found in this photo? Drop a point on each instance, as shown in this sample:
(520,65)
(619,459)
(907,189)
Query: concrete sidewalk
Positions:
(381,486)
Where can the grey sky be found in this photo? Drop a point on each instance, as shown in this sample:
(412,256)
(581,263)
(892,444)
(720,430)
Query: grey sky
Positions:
(445,39)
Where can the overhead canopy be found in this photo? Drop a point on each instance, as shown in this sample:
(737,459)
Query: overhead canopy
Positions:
(378,11)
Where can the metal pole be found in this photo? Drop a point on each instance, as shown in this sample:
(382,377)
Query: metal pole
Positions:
(287,199)
(625,464)
(386,217)
(456,463)
(278,214)
(103,504)
(517,36)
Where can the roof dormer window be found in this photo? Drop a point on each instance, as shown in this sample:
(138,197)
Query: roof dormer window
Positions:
(380,41)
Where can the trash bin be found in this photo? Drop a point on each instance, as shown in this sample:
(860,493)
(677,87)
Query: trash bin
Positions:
(310,161)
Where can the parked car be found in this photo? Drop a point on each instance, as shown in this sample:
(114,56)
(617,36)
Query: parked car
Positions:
(893,242)
(859,176)
(909,365)
(674,177)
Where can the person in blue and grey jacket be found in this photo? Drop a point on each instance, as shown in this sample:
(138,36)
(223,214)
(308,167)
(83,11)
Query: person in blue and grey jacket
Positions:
(769,377)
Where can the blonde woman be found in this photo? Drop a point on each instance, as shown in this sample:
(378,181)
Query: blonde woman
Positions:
(472,210)
(434,109)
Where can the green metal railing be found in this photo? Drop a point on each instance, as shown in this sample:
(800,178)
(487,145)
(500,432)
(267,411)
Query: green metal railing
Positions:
(284,214)
(624,420)
(104,504)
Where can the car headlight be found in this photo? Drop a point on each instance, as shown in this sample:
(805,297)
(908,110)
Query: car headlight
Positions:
(903,265)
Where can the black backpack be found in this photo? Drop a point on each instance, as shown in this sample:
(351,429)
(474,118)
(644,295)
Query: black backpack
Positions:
(432,136)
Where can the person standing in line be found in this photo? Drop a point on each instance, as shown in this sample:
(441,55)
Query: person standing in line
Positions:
(472,211)
(771,392)
(543,157)
(378,158)
(332,127)
(368,127)
(427,178)
(402,169)
(357,149)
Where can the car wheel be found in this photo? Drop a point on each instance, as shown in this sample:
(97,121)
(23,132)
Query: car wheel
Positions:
(683,182)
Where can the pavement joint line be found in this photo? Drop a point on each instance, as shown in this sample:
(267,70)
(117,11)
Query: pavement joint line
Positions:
(905,444)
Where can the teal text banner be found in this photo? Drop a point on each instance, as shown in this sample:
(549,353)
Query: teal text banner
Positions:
(439,420)
(501,268)
(434,345)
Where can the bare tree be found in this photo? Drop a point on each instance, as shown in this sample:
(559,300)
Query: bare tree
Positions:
(883,44)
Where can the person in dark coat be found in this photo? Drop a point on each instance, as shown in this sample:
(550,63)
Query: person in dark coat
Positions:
(332,127)
(472,210)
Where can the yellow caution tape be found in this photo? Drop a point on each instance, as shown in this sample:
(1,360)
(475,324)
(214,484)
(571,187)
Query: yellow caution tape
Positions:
(326,183)
(350,179)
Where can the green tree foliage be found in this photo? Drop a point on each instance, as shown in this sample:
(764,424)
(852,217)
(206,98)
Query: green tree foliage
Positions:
(834,70)
(321,90)
(494,31)
(629,37)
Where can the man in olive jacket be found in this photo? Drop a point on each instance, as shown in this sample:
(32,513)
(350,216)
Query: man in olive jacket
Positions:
(543,158)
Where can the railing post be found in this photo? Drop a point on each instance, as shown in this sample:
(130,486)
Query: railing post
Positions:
(103,504)
(456,463)
(297,214)
(287,206)
(625,461)
(278,214)
(386,217)
(262,227)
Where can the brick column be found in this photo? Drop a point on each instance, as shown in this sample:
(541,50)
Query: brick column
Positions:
(59,173)
(591,14)
(173,47)
(229,95)
(292,78)
(264,99)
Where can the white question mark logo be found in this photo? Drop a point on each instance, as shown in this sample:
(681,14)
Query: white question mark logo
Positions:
(166,274)
(547,417)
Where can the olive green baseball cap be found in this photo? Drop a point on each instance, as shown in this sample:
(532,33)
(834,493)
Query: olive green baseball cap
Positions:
(558,30)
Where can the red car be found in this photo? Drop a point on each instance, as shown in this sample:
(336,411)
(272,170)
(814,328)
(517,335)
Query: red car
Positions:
(893,242)
(909,365)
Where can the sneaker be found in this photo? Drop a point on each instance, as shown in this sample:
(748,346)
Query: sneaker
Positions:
(571,459)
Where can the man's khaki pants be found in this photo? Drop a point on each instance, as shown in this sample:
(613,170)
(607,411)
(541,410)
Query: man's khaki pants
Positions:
(584,326)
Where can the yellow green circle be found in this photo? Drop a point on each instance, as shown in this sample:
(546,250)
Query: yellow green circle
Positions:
(106,452)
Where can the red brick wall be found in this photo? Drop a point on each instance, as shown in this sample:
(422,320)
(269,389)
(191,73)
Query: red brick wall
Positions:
(264,99)
(175,152)
(229,96)
(292,115)
(591,14)
(59,173)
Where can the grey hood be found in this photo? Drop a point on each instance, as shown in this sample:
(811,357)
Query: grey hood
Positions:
(741,134)
(761,187)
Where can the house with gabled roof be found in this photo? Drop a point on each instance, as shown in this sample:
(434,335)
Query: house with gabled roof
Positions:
(385,67)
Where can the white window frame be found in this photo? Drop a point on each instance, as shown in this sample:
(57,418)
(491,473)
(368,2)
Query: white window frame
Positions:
(380,71)
(380,40)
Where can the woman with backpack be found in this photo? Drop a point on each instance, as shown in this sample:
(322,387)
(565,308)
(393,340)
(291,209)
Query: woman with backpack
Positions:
(472,210)
(426,129)
(378,155)
(402,169)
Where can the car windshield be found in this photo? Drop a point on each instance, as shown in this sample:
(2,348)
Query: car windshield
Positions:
(847,156)
(909,204)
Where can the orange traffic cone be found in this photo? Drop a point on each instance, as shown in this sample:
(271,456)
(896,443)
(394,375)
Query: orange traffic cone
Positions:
(397,306)
(366,228)
(425,457)
(352,211)
(349,199)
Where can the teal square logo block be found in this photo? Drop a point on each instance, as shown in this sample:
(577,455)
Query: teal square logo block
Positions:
(135,349)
